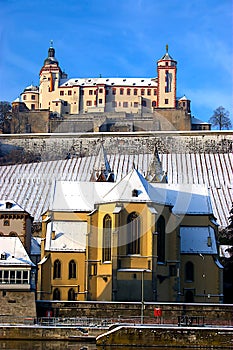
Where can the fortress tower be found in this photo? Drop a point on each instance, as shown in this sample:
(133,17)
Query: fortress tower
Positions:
(166,68)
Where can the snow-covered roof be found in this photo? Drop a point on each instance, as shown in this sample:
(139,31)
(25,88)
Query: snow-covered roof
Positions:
(69,236)
(141,82)
(9,205)
(80,196)
(198,240)
(14,251)
(198,121)
(35,245)
(186,199)
(31,184)
(183,98)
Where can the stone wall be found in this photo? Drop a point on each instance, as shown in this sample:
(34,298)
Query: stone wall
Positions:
(58,146)
(16,305)
(214,313)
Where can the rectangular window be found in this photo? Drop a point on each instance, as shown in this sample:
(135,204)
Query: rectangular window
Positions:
(121,91)
(100,91)
(33,106)
(135,104)
(144,103)
(166,101)
(128,91)
(24,97)
(65,103)
(114,91)
(125,104)
(100,100)
(90,92)
(69,92)
(155,92)
(142,92)
(61,93)
(149,92)
(135,92)
(89,103)
(33,97)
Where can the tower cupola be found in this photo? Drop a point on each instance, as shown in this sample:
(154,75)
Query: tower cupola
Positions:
(51,55)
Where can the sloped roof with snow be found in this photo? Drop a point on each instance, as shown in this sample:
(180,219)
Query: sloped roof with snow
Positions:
(30,184)
(15,252)
(198,240)
(69,236)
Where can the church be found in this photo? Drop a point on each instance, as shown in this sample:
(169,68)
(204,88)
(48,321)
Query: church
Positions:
(131,238)
(104,103)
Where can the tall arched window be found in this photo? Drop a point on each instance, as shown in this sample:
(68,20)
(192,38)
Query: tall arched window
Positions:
(71,294)
(56,294)
(161,239)
(57,269)
(72,269)
(189,272)
(133,234)
(107,231)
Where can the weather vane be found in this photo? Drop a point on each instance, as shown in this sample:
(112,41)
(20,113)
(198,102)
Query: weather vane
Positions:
(167,48)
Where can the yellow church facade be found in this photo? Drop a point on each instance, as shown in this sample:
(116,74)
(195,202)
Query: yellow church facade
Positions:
(129,240)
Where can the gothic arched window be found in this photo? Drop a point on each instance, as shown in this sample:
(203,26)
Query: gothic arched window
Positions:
(72,269)
(161,239)
(133,234)
(56,294)
(71,294)
(107,231)
(57,269)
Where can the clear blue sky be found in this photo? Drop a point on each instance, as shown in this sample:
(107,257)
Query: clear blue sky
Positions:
(121,38)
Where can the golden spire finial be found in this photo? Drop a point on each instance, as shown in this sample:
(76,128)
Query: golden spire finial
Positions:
(167,48)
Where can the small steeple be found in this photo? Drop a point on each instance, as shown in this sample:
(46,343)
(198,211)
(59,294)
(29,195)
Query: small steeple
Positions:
(155,172)
(102,171)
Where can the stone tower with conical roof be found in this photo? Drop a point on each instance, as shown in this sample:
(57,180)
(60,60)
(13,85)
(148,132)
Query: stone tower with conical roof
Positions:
(166,68)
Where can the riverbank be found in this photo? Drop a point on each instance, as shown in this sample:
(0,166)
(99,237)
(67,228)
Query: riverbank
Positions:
(168,336)
(124,335)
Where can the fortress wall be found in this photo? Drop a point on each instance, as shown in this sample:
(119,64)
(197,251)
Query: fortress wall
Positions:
(57,146)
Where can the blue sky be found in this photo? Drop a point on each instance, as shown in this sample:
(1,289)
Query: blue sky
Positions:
(121,38)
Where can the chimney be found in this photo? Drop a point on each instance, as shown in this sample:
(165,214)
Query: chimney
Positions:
(53,234)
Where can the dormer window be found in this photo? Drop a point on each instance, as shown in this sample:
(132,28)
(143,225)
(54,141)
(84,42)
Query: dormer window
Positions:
(9,205)
(135,193)
(3,256)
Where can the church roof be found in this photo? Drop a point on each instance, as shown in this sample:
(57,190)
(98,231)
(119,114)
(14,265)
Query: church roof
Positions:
(198,240)
(69,236)
(30,184)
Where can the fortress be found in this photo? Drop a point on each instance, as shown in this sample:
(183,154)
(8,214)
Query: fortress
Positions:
(61,104)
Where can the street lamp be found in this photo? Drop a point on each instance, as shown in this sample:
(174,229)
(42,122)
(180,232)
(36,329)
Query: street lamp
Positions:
(142,295)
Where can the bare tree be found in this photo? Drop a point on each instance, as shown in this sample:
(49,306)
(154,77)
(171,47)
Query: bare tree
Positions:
(221,119)
(5,108)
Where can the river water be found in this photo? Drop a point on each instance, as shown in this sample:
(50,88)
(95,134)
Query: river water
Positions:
(63,345)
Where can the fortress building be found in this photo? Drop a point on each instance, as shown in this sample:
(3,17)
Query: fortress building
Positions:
(123,104)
